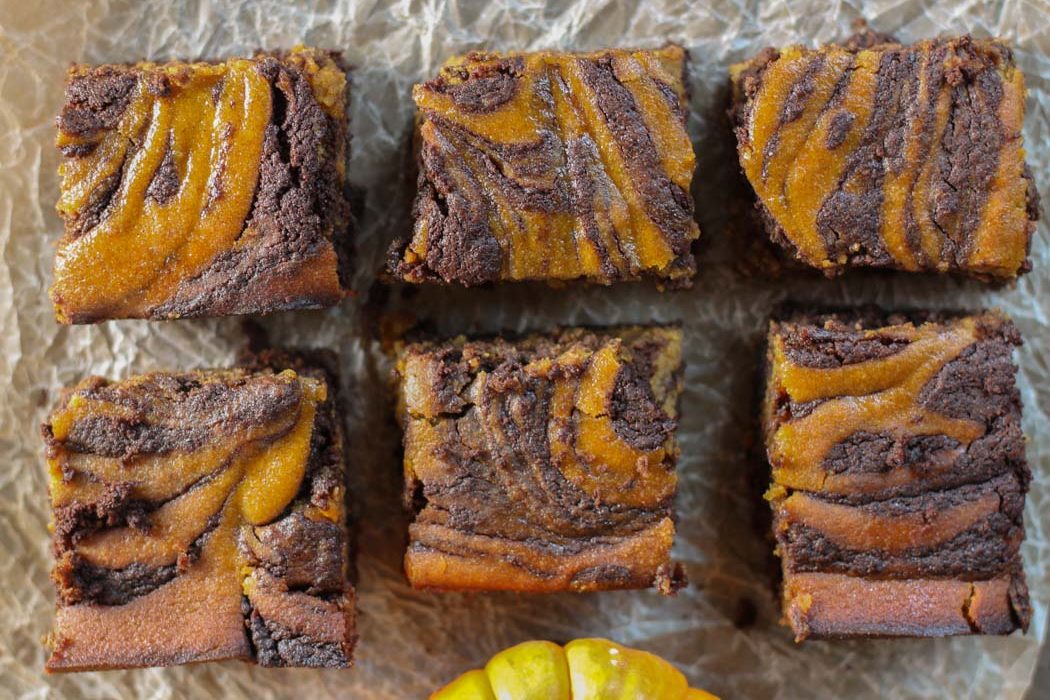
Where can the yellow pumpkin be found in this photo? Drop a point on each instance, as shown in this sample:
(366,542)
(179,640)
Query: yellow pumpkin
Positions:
(585,669)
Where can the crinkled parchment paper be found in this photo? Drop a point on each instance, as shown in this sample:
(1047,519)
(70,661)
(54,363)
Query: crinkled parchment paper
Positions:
(723,630)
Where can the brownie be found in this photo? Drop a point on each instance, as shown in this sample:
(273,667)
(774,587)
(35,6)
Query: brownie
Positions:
(875,154)
(201,516)
(553,166)
(898,473)
(542,463)
(203,189)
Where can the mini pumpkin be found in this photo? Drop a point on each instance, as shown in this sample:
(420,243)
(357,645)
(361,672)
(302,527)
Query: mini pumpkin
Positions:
(584,669)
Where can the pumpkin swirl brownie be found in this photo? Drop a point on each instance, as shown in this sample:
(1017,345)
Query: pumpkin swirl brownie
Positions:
(899,474)
(553,166)
(202,189)
(201,516)
(545,463)
(874,154)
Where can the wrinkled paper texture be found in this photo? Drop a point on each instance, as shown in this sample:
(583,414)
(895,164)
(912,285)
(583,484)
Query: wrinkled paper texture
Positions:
(412,642)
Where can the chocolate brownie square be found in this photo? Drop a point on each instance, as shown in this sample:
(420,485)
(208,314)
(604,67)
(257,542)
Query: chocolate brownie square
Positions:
(542,463)
(553,166)
(898,473)
(876,154)
(203,189)
(200,516)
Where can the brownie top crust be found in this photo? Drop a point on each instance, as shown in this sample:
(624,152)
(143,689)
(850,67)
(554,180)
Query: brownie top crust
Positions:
(202,189)
(898,473)
(543,463)
(938,392)
(872,153)
(553,166)
(199,516)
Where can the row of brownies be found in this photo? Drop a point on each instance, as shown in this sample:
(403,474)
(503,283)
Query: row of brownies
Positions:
(202,515)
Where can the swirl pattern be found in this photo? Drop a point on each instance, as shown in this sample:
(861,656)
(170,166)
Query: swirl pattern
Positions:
(552,166)
(197,517)
(196,189)
(899,475)
(542,464)
(882,155)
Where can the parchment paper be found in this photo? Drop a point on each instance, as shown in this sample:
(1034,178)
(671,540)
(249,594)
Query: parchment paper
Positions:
(723,630)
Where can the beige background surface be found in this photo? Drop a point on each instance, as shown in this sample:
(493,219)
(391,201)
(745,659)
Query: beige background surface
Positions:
(412,642)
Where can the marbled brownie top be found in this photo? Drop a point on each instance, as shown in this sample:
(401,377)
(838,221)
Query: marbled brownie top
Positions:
(202,189)
(553,166)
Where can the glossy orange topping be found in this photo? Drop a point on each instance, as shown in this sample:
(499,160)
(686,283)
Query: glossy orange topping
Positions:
(771,169)
(598,460)
(876,396)
(890,536)
(571,490)
(854,528)
(584,445)
(141,250)
(262,465)
(1000,237)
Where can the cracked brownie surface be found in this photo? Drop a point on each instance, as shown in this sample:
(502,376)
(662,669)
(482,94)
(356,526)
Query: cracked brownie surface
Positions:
(542,463)
(553,166)
(202,189)
(875,154)
(200,516)
(898,474)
